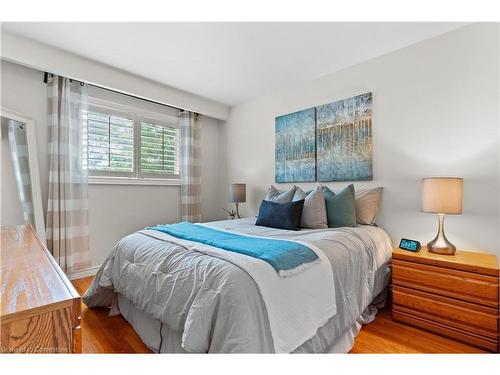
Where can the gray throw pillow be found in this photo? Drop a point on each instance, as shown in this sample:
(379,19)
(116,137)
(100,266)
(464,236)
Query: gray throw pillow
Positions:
(314,211)
(273,195)
(367,203)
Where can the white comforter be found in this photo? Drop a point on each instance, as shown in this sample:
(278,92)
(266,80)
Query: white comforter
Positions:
(304,301)
(216,306)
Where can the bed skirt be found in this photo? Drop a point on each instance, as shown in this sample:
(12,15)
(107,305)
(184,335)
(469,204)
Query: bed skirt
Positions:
(161,339)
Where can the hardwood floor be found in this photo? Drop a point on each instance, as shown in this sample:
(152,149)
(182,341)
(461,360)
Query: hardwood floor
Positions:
(104,334)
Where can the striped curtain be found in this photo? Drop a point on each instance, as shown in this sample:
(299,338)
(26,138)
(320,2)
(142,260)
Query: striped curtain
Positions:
(190,167)
(19,153)
(67,209)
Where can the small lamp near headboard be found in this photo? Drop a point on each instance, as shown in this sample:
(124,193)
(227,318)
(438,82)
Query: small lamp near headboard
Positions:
(237,194)
(442,195)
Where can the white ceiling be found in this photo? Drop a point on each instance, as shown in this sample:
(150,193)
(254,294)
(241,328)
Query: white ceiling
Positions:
(229,62)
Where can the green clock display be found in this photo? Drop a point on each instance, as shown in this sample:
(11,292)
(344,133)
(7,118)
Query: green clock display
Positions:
(410,245)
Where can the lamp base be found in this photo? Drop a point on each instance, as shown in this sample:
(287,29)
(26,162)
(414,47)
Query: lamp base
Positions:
(237,214)
(450,249)
(440,244)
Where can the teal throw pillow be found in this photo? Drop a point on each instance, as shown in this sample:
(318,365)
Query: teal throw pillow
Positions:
(340,207)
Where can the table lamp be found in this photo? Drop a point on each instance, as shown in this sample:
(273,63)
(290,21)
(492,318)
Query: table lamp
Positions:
(442,195)
(237,194)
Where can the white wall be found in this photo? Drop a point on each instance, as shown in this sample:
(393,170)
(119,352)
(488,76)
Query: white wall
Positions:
(114,210)
(436,112)
(46,58)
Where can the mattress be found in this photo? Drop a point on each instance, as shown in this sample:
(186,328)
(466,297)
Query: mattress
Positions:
(179,300)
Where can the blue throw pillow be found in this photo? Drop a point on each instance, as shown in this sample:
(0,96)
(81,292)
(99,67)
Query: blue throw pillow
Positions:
(340,207)
(281,216)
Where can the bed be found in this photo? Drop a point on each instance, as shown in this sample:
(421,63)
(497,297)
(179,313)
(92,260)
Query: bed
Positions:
(180,300)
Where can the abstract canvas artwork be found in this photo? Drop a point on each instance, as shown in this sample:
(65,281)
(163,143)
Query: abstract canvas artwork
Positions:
(296,147)
(344,139)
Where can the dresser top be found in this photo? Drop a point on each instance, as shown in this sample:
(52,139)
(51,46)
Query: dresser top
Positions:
(30,277)
(483,263)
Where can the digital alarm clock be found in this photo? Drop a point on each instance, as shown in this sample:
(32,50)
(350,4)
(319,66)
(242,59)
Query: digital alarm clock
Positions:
(410,245)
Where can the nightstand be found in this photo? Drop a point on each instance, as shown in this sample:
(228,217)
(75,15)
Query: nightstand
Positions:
(452,295)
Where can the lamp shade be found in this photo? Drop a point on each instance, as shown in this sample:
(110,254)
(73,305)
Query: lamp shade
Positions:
(442,195)
(237,193)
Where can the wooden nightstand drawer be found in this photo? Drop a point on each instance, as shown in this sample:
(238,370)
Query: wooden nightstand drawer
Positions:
(456,314)
(408,317)
(452,295)
(466,286)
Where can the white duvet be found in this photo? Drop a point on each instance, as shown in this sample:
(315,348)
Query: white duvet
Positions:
(220,303)
(304,301)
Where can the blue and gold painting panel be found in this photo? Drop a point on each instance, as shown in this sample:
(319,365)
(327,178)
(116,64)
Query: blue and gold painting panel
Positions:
(295,159)
(344,139)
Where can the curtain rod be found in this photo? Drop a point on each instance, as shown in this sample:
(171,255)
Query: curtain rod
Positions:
(46,77)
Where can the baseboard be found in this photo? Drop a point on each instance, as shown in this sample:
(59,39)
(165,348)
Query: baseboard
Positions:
(91,271)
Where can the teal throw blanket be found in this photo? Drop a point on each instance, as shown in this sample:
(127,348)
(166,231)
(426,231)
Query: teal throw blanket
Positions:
(282,255)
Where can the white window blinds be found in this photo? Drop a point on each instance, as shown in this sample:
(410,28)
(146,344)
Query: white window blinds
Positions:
(159,149)
(131,143)
(110,143)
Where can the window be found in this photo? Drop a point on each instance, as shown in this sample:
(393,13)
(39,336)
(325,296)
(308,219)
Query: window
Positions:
(159,149)
(128,145)
(110,143)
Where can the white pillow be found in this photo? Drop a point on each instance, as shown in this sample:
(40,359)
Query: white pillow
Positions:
(367,204)
(273,195)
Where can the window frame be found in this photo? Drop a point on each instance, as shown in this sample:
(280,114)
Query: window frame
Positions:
(137,115)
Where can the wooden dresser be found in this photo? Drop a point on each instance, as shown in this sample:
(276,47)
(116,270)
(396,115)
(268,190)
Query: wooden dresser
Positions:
(452,295)
(40,309)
